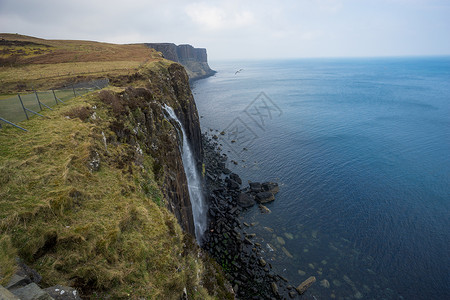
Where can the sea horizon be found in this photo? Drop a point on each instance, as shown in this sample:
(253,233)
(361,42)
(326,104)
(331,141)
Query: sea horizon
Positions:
(374,57)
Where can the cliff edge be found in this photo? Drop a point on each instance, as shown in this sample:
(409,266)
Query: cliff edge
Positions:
(94,195)
(195,60)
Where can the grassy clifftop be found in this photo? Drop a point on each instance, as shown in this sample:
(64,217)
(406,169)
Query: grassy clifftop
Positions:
(28,62)
(81,196)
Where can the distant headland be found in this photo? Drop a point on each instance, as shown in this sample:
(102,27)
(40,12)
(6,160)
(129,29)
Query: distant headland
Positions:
(195,60)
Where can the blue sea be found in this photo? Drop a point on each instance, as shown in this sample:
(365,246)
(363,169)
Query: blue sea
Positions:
(361,151)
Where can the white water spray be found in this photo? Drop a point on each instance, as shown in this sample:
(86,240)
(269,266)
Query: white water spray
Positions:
(193,180)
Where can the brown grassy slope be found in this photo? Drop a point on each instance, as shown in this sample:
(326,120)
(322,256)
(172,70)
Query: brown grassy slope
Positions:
(63,51)
(27,62)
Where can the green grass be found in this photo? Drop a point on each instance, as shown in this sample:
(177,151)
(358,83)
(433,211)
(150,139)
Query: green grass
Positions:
(11,108)
(103,231)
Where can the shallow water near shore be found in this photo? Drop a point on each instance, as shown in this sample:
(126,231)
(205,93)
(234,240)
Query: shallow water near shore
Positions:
(360,150)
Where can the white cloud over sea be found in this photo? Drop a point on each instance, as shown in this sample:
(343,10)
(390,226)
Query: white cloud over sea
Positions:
(245,29)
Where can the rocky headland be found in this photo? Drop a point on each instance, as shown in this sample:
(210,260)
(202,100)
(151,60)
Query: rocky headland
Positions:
(195,60)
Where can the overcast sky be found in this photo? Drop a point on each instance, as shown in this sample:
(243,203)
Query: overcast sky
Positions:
(245,29)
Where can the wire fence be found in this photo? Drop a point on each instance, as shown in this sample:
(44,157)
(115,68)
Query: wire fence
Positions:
(23,106)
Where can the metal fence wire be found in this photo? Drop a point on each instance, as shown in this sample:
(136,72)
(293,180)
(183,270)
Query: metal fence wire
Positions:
(23,106)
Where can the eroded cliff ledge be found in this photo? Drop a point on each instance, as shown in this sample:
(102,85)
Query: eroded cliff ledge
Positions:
(195,60)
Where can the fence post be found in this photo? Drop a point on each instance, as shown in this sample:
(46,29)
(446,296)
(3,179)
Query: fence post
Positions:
(37,97)
(23,106)
(73,89)
(56,100)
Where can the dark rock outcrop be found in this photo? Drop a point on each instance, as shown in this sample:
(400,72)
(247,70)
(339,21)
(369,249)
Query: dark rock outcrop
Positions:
(255,187)
(24,285)
(271,187)
(193,59)
(245,200)
(264,197)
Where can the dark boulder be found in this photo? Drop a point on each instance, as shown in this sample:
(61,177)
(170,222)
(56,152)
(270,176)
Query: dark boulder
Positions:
(232,185)
(270,187)
(255,187)
(245,200)
(264,197)
(226,171)
(236,178)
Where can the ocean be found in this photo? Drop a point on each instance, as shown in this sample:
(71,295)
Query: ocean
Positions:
(361,151)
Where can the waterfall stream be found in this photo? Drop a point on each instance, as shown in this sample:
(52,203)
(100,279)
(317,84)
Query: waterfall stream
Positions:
(193,180)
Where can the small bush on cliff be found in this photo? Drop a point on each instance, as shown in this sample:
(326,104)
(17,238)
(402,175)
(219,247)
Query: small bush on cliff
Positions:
(113,100)
(82,112)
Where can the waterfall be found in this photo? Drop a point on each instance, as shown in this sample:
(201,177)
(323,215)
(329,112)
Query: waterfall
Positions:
(193,180)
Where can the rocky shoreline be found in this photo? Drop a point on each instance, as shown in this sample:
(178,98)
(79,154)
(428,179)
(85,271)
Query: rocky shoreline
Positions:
(226,238)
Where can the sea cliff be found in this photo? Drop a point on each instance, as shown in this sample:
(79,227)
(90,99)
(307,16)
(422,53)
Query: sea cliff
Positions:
(94,195)
(193,59)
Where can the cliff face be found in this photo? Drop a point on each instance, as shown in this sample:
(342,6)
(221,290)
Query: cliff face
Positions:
(143,124)
(195,60)
(105,196)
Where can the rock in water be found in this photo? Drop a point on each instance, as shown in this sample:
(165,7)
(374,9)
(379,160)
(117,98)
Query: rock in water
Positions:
(264,197)
(264,209)
(245,200)
(289,235)
(255,187)
(274,288)
(305,285)
(262,262)
(236,178)
(268,229)
(288,254)
(226,171)
(270,187)
(280,240)
(325,283)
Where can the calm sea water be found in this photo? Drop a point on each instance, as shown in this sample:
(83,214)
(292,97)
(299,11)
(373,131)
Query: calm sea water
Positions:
(361,150)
